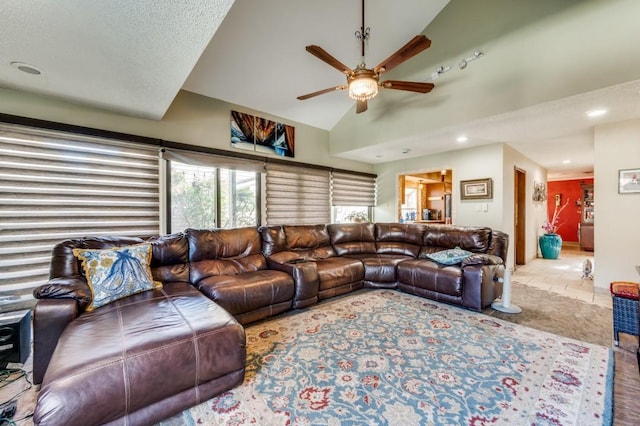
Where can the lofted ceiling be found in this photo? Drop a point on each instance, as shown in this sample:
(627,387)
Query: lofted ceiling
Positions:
(545,64)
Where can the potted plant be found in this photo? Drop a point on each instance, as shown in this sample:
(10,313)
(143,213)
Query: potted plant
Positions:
(357,217)
(550,242)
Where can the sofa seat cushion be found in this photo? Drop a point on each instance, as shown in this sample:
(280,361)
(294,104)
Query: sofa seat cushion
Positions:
(338,271)
(428,275)
(171,344)
(249,291)
(380,268)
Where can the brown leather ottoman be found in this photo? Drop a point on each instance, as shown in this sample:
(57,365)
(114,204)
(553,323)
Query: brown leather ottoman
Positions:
(142,359)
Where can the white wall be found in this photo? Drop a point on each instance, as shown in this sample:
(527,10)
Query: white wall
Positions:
(617,216)
(473,163)
(191,119)
(496,161)
(535,212)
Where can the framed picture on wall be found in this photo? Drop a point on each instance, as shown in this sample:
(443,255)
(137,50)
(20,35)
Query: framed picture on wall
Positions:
(261,135)
(629,181)
(539,191)
(477,189)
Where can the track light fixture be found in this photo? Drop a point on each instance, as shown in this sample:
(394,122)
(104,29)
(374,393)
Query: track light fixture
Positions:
(477,54)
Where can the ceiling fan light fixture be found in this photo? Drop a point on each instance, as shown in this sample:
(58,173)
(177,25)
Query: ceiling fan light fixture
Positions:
(363,83)
(363,86)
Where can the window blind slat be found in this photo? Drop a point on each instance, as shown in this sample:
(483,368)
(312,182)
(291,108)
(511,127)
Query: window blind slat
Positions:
(211,160)
(56,185)
(297,195)
(352,190)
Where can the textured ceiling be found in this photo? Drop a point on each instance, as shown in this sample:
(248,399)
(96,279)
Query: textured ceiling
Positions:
(127,56)
(546,63)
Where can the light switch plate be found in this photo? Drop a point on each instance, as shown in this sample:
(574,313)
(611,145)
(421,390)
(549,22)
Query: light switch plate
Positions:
(638,269)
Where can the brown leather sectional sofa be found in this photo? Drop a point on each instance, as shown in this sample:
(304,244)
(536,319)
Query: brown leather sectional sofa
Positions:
(149,356)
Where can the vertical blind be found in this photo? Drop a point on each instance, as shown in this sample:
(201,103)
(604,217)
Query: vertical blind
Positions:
(349,189)
(55,186)
(297,195)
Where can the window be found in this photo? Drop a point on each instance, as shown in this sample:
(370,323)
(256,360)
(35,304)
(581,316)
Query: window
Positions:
(408,210)
(297,195)
(193,196)
(205,196)
(238,198)
(353,197)
(56,185)
(348,214)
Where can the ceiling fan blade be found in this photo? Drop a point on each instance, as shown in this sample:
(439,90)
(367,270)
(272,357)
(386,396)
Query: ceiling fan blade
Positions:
(321,92)
(411,86)
(323,55)
(361,106)
(408,51)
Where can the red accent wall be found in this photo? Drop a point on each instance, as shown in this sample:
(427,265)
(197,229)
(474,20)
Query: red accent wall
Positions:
(571,215)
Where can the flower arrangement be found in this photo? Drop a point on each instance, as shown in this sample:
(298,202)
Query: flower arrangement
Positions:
(552,225)
(357,217)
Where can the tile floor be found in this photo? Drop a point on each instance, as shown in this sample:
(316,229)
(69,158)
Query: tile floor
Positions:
(563,276)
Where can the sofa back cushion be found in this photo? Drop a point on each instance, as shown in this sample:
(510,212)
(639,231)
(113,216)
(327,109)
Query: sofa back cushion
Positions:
(399,238)
(352,238)
(499,245)
(273,240)
(170,258)
(65,265)
(224,252)
(475,239)
(310,241)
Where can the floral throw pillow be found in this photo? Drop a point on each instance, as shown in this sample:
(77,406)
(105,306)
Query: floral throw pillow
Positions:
(116,272)
(450,257)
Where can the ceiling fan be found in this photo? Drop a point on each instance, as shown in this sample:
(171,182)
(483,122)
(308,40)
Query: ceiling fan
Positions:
(363,82)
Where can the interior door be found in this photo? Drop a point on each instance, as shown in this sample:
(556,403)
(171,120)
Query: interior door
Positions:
(520,177)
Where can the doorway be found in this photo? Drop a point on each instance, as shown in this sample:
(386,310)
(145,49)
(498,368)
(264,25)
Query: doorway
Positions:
(426,197)
(520,180)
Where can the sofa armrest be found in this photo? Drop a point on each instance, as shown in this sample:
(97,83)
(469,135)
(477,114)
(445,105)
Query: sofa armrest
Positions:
(480,285)
(482,259)
(284,257)
(305,278)
(50,318)
(75,288)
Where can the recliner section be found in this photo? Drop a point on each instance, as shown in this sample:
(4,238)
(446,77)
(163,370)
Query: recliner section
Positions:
(228,266)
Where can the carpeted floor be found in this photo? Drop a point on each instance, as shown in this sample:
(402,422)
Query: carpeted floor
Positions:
(560,315)
(565,316)
(385,357)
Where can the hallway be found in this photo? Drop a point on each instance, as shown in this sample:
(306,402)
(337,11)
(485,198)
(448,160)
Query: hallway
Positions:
(563,276)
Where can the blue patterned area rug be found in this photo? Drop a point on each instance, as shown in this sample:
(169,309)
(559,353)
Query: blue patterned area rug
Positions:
(385,357)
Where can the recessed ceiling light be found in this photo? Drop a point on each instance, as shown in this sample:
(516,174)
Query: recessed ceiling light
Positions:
(566,161)
(596,113)
(462,139)
(28,68)
(405,151)
(379,156)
